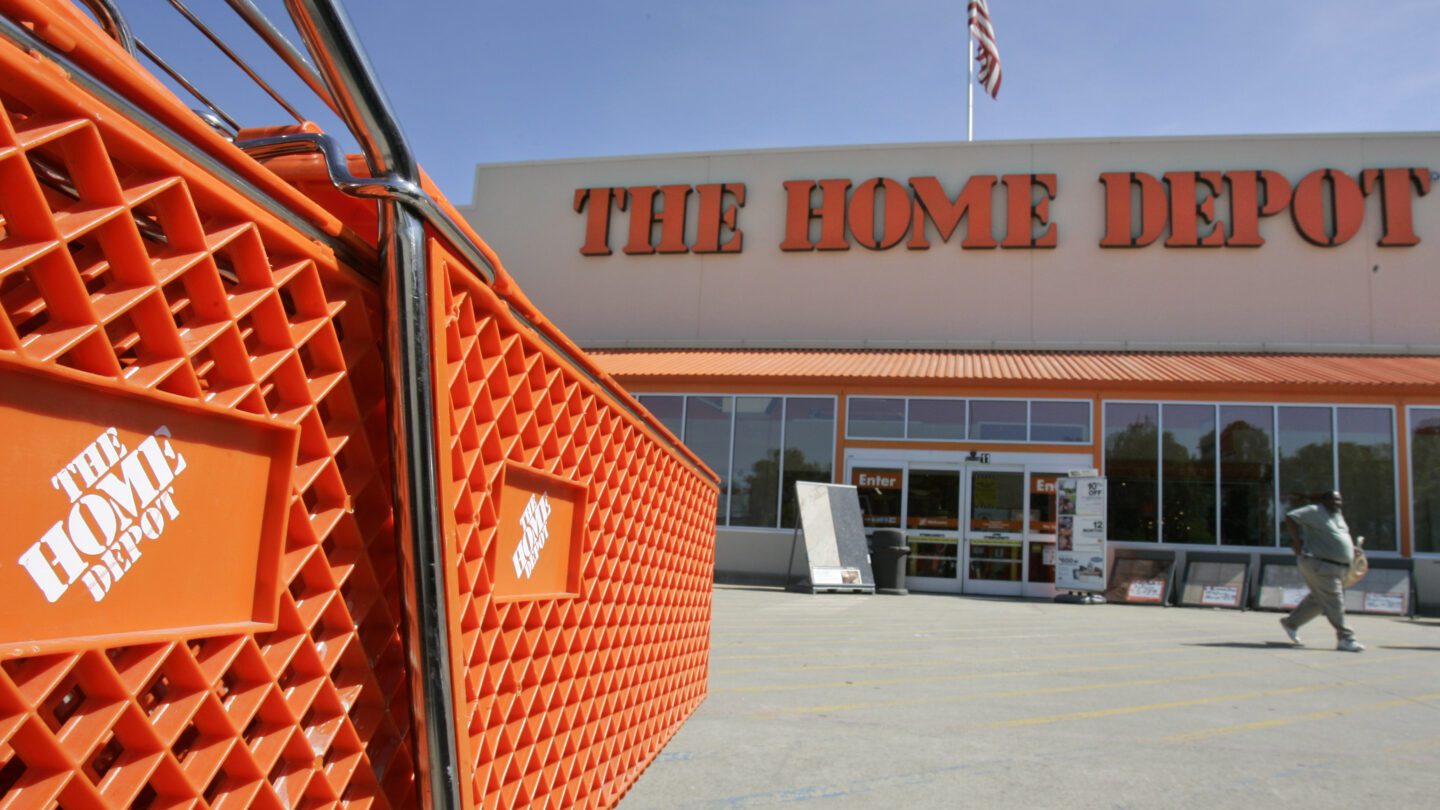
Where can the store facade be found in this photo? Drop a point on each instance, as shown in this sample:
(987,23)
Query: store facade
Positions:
(1224,327)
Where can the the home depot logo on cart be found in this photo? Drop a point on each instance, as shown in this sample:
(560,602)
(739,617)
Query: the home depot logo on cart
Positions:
(131,516)
(541,535)
(118,498)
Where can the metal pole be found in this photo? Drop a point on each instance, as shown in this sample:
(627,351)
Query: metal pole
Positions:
(335,48)
(969,84)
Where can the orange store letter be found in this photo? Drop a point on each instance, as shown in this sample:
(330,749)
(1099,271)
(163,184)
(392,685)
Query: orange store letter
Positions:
(597,221)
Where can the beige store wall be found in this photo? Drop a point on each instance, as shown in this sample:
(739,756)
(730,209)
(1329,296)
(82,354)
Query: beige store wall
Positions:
(1284,295)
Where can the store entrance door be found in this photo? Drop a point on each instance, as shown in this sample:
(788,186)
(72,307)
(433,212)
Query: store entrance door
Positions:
(982,527)
(995,530)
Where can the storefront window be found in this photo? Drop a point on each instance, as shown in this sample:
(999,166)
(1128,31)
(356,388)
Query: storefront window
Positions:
(1307,455)
(934,500)
(874,418)
(707,432)
(809,448)
(1247,475)
(1425,477)
(1042,502)
(1188,458)
(1059,421)
(755,467)
(669,409)
(942,419)
(1133,469)
(880,496)
(998,420)
(1367,474)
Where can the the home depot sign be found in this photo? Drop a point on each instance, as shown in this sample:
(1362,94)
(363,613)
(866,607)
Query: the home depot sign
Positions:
(1326,207)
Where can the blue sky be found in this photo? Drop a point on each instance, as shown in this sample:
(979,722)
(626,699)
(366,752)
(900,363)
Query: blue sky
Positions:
(481,82)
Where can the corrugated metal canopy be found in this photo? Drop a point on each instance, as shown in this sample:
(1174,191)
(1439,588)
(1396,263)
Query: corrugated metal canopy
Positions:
(1026,367)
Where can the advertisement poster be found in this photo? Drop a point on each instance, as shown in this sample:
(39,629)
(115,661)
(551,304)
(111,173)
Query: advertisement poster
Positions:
(1080,534)
(1220,596)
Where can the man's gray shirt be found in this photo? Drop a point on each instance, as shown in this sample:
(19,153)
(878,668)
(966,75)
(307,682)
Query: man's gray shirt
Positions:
(1324,534)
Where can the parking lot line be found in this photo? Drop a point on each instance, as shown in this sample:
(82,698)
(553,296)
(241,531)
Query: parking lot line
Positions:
(1321,714)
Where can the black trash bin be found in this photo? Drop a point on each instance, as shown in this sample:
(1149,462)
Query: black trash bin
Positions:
(888,551)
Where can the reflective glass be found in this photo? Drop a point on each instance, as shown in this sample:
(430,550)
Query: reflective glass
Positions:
(809,448)
(1132,469)
(1307,455)
(1188,459)
(937,419)
(874,418)
(997,420)
(707,432)
(755,466)
(669,409)
(1425,477)
(880,495)
(1367,474)
(1059,421)
(1247,475)
(934,500)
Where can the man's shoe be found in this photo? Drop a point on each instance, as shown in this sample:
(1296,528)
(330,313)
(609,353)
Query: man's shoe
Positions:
(1350,645)
(1292,633)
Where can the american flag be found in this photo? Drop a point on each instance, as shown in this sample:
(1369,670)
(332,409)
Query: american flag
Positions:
(989,52)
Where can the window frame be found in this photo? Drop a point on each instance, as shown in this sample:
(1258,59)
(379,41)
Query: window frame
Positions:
(1275,452)
(905,437)
(725,494)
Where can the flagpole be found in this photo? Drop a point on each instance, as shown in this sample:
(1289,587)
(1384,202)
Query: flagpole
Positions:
(969,84)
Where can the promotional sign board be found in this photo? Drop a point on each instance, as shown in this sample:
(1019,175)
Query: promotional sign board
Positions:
(1080,534)
(835,548)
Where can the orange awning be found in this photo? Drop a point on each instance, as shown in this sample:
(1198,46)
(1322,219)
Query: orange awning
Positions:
(1025,367)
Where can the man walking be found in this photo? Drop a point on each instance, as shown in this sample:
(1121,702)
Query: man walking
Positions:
(1324,551)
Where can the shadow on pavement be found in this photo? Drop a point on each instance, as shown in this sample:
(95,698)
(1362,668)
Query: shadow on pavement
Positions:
(1398,647)
(1251,645)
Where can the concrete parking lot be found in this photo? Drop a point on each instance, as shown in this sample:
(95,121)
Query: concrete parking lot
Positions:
(846,700)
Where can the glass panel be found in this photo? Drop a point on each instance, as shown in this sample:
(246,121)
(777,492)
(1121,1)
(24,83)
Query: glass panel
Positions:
(871,418)
(1042,562)
(1307,461)
(1247,475)
(934,500)
(939,567)
(707,432)
(669,409)
(809,448)
(995,562)
(997,420)
(1132,469)
(1367,474)
(997,502)
(1042,502)
(937,419)
(755,471)
(879,496)
(1425,477)
(1059,421)
(1188,459)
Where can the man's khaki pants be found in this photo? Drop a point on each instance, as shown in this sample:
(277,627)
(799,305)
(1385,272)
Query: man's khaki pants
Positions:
(1327,595)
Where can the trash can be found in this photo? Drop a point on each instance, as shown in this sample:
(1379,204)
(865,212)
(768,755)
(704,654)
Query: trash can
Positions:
(888,551)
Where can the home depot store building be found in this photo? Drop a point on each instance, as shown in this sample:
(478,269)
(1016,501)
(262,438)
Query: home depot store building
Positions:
(1224,326)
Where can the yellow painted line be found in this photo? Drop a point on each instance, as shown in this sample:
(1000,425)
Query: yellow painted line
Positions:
(1118,711)
(1020,693)
(1125,639)
(1141,645)
(1423,744)
(1014,693)
(1280,722)
(958,677)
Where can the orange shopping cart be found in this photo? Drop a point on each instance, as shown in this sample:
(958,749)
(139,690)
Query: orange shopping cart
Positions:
(305,503)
